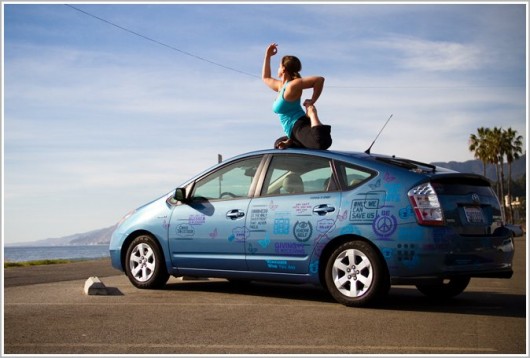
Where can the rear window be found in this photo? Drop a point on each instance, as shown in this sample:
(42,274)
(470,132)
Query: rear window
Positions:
(352,176)
(461,187)
(355,176)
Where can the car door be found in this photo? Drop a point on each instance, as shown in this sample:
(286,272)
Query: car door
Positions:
(208,230)
(297,208)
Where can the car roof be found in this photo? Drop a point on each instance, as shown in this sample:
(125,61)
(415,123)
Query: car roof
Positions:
(323,153)
(380,159)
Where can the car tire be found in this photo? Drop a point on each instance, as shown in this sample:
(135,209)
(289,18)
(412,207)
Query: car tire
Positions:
(444,288)
(355,274)
(144,263)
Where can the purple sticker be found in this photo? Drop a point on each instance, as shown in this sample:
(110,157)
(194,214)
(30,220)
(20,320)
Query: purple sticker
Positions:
(385,224)
(289,248)
(325,225)
(240,234)
(196,219)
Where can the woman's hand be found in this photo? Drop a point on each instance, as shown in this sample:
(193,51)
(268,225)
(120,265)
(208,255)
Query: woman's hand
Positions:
(308,102)
(272,50)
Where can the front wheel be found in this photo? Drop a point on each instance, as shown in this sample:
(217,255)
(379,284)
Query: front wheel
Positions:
(144,263)
(355,274)
(444,288)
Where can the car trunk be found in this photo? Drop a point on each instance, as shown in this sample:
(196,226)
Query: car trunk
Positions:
(469,204)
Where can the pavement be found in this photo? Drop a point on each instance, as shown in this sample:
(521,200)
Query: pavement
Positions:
(47,312)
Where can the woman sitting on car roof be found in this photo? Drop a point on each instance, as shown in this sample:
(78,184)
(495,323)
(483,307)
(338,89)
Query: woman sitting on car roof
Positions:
(303,129)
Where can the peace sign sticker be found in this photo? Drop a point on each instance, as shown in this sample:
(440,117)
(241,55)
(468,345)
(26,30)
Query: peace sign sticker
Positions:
(385,224)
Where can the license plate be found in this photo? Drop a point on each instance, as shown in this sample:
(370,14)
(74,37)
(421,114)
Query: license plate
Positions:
(474,215)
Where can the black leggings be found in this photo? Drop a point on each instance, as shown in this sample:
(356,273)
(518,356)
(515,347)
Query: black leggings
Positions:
(305,136)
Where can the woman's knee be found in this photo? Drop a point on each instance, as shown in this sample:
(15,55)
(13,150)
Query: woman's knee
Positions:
(324,143)
(322,136)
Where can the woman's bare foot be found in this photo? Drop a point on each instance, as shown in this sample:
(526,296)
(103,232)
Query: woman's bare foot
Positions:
(311,112)
(285,144)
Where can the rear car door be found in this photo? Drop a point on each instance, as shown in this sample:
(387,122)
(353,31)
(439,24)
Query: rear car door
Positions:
(297,208)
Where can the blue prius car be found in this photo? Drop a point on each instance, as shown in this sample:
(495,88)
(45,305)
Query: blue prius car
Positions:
(354,223)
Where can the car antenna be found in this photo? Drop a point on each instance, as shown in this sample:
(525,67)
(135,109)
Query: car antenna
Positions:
(367,151)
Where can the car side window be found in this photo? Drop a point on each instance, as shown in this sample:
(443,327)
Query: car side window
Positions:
(230,182)
(298,174)
(353,176)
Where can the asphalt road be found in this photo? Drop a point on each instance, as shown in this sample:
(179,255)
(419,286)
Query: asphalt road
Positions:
(46,312)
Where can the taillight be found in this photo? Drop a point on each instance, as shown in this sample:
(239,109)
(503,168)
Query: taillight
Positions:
(426,205)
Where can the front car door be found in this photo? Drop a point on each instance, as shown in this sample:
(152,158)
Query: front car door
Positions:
(208,231)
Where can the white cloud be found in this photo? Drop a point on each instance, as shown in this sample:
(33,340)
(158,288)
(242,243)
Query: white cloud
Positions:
(427,55)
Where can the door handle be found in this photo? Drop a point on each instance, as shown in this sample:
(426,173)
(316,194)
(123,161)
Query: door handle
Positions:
(323,209)
(235,214)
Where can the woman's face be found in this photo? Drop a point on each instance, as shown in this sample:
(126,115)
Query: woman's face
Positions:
(281,70)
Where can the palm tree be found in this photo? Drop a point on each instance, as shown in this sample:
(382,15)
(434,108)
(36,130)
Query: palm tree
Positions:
(496,156)
(513,145)
(478,143)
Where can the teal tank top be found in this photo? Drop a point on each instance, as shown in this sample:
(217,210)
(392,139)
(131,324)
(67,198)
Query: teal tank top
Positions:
(288,111)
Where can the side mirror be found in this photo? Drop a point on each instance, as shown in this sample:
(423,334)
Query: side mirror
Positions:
(180,194)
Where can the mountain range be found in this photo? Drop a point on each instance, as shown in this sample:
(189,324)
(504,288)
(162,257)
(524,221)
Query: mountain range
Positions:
(476,166)
(102,236)
(94,237)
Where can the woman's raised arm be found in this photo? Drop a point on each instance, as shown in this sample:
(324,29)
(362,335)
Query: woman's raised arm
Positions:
(266,75)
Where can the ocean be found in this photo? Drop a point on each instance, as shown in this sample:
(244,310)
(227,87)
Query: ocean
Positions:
(30,253)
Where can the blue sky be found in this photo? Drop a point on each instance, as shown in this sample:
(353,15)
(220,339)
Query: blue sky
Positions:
(97,120)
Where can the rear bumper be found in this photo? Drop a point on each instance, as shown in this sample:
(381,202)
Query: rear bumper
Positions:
(508,273)
(500,273)
(444,253)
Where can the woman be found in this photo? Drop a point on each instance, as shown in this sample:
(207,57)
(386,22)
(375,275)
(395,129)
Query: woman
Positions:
(303,129)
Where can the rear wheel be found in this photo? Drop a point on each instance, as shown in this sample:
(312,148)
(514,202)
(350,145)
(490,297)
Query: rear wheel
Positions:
(444,288)
(355,274)
(144,263)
